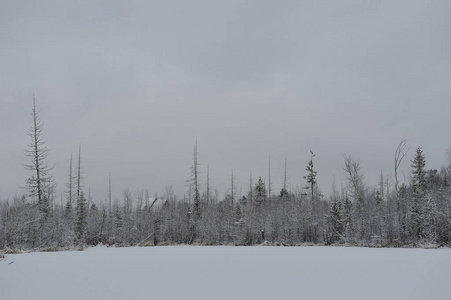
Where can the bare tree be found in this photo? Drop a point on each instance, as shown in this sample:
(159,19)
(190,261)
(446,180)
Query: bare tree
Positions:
(354,177)
(70,183)
(194,212)
(38,151)
(128,201)
(81,222)
(69,191)
(79,173)
(109,192)
(208,196)
(232,188)
(195,182)
(448,158)
(400,153)
(284,192)
(269,178)
(251,188)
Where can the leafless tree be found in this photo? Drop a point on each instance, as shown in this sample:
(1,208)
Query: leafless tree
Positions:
(109,193)
(400,153)
(354,176)
(232,187)
(269,178)
(79,173)
(284,191)
(251,188)
(448,158)
(194,212)
(69,184)
(195,174)
(127,202)
(208,196)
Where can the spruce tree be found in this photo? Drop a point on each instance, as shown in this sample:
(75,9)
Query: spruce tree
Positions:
(81,222)
(260,191)
(311,176)
(418,173)
(37,151)
(418,191)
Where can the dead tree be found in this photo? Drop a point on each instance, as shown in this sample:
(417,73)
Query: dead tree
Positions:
(400,153)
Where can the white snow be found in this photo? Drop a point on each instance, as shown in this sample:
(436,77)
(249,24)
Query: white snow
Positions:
(195,272)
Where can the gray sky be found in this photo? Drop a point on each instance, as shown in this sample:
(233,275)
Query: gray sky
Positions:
(138,82)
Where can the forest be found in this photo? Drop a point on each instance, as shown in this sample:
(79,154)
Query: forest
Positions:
(391,214)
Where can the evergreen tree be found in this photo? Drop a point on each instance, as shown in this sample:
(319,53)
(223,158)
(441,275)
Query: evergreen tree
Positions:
(238,213)
(81,213)
(311,176)
(418,173)
(260,191)
(283,193)
(418,190)
(68,210)
(41,178)
(335,220)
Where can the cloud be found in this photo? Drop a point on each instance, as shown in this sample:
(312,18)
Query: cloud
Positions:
(137,83)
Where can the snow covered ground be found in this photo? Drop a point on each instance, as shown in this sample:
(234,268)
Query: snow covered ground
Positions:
(191,272)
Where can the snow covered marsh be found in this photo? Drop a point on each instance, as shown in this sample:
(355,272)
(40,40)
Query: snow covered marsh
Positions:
(200,272)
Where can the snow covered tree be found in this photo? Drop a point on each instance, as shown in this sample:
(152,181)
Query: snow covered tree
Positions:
(37,151)
(208,192)
(428,214)
(79,173)
(357,189)
(311,176)
(82,214)
(69,191)
(197,209)
(260,191)
(418,173)
(194,211)
(238,213)
(418,191)
(335,221)
(347,219)
(232,188)
(284,191)
(269,178)
(93,228)
(118,217)
(355,179)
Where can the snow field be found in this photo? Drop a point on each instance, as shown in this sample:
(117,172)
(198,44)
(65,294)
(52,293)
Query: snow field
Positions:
(200,272)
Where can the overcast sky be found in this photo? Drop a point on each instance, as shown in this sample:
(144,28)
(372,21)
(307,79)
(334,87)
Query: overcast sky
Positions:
(138,82)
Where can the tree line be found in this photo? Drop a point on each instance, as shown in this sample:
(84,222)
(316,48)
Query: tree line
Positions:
(387,215)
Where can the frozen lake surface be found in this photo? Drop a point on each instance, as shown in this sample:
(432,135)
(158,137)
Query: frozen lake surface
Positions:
(195,272)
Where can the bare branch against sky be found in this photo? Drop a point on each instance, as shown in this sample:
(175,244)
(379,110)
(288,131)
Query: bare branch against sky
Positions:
(138,82)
